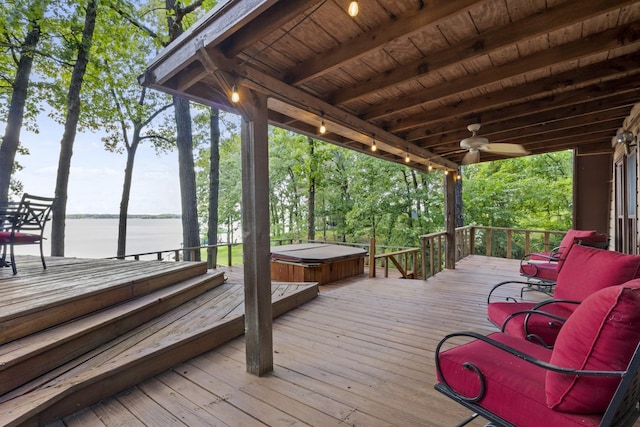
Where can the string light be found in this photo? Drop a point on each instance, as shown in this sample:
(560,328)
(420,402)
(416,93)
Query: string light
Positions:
(430,167)
(406,158)
(353,8)
(446,172)
(235,96)
(323,127)
(373,144)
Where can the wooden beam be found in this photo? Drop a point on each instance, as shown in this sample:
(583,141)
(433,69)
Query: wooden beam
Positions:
(511,100)
(506,130)
(277,16)
(565,14)
(228,17)
(435,11)
(583,47)
(283,97)
(255,236)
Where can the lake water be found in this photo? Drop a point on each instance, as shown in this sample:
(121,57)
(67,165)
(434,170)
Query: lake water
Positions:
(98,238)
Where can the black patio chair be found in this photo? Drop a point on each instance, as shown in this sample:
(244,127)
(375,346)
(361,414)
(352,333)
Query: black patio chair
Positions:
(23,224)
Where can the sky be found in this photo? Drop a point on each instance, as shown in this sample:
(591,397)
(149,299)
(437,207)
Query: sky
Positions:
(96,177)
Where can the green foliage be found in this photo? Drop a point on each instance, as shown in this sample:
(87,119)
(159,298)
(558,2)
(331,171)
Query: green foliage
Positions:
(533,192)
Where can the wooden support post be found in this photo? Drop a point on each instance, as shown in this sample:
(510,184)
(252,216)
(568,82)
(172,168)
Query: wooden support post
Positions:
(255,235)
(450,220)
(229,254)
(372,257)
(423,258)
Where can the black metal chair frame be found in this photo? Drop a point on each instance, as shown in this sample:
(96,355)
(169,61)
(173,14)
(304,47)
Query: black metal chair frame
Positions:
(623,409)
(29,216)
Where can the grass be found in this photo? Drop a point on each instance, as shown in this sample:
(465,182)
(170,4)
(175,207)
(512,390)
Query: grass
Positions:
(223,255)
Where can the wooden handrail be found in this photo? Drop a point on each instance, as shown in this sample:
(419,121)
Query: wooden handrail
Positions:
(427,259)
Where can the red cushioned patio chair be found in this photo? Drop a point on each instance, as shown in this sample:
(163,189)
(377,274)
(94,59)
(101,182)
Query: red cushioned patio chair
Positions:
(590,378)
(24,225)
(585,271)
(542,268)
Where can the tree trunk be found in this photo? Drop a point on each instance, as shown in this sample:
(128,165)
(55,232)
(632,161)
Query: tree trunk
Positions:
(126,194)
(186,169)
(70,128)
(311,219)
(11,139)
(214,186)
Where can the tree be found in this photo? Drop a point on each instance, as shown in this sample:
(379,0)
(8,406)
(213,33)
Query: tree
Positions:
(70,128)
(184,141)
(23,55)
(214,185)
(127,110)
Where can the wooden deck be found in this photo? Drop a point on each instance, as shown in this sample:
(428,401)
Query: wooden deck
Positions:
(84,330)
(361,353)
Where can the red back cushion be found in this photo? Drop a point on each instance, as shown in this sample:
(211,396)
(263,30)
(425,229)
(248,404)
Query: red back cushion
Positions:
(570,238)
(587,270)
(600,335)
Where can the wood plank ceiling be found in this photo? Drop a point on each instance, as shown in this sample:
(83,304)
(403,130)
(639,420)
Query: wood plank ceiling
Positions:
(412,74)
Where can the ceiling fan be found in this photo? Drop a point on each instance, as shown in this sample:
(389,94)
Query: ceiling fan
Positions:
(474,144)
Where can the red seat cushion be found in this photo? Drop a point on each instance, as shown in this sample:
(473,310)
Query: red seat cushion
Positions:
(18,238)
(540,270)
(514,388)
(600,335)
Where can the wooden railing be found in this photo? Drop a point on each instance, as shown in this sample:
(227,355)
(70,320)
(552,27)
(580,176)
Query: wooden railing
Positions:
(490,241)
(181,253)
(411,262)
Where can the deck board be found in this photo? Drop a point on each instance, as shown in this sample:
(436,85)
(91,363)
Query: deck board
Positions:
(208,316)
(361,353)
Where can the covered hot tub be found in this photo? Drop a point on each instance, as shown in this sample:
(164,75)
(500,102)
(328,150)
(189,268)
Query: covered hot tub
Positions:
(315,262)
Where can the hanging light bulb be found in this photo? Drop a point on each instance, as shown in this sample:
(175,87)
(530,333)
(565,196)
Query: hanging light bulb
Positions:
(446,172)
(235,96)
(353,8)
(430,167)
(406,158)
(373,145)
(323,128)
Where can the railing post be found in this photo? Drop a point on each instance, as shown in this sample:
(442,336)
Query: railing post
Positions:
(488,242)
(472,240)
(432,259)
(423,259)
(509,244)
(546,242)
(372,257)
(527,242)
(229,254)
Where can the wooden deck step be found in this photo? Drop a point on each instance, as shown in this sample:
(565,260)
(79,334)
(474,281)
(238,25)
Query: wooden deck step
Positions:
(190,329)
(27,358)
(35,299)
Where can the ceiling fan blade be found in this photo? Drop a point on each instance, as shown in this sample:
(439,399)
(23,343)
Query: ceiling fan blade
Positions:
(472,156)
(504,148)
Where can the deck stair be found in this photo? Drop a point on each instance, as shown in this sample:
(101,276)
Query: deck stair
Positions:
(53,372)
